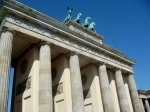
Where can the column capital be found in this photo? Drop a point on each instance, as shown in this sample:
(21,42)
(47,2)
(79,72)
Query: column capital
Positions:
(72,53)
(101,63)
(8,29)
(43,42)
(130,73)
(117,69)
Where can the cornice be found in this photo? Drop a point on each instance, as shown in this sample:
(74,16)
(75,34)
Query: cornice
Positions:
(8,29)
(15,4)
(144,92)
(119,53)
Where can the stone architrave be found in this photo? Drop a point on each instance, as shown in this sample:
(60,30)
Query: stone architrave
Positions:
(76,83)
(45,79)
(147,105)
(105,89)
(122,96)
(134,94)
(6,41)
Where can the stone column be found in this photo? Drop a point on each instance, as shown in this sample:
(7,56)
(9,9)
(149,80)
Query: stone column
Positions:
(105,89)
(76,83)
(143,110)
(45,79)
(6,41)
(147,105)
(134,94)
(122,97)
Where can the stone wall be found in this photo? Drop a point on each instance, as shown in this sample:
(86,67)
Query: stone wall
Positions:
(26,85)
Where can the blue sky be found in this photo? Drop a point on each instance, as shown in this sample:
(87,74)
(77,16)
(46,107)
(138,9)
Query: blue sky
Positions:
(125,25)
(10,89)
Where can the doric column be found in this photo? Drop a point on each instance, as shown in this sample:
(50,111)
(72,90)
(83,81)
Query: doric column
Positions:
(5,65)
(76,84)
(143,110)
(134,94)
(122,97)
(105,89)
(45,79)
(147,105)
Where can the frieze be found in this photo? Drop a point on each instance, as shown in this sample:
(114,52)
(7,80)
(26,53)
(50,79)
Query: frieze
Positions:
(30,26)
(66,40)
(33,11)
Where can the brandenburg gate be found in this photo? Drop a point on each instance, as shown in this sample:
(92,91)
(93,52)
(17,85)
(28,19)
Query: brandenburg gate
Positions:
(61,67)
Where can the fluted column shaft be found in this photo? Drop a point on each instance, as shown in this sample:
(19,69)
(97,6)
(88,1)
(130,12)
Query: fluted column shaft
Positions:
(147,105)
(45,79)
(143,110)
(123,101)
(76,84)
(105,89)
(5,65)
(134,95)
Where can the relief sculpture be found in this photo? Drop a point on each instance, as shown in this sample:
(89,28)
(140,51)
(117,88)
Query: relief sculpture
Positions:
(23,86)
(57,89)
(87,93)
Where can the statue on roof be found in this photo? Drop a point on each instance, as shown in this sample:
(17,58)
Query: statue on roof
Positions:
(69,17)
(91,26)
(86,22)
(78,18)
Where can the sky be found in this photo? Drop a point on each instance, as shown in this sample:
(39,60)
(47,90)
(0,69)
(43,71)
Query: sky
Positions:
(10,89)
(125,25)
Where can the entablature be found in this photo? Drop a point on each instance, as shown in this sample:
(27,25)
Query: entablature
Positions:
(56,30)
(144,94)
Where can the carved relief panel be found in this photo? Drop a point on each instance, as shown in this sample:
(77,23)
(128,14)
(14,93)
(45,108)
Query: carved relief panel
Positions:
(57,89)
(23,86)
(87,93)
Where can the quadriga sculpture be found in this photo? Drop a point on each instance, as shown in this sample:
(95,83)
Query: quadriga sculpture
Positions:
(91,26)
(69,17)
(78,19)
(86,22)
